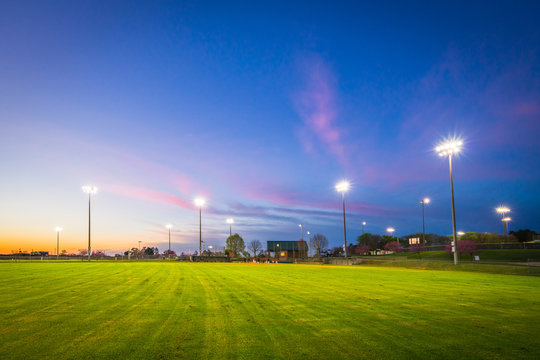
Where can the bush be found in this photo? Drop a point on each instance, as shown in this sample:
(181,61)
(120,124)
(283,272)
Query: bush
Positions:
(416,248)
(392,246)
(463,247)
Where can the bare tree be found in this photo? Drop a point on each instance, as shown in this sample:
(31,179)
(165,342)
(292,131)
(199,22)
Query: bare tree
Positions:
(255,246)
(319,242)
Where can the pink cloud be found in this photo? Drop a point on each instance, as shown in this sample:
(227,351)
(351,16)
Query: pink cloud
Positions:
(292,199)
(316,106)
(148,194)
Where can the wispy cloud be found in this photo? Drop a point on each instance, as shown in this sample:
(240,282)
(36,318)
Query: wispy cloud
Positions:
(316,105)
(147,194)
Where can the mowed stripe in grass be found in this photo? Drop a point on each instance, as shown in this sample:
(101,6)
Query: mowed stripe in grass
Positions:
(182,310)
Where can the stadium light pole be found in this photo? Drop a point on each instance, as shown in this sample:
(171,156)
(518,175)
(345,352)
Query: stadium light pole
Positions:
(58,229)
(424,201)
(342,187)
(309,241)
(503,210)
(450,148)
(230,221)
(301,231)
(90,190)
(200,203)
(505,220)
(169,226)
(363,224)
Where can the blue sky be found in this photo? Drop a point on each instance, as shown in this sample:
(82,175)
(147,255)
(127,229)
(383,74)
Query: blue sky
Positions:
(262,108)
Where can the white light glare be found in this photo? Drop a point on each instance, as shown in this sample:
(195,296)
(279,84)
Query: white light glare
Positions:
(343,186)
(199,202)
(168,226)
(506,219)
(390,230)
(502,209)
(89,189)
(450,147)
(460,233)
(230,221)
(58,229)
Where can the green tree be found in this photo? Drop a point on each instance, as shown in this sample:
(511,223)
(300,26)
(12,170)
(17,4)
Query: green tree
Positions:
(235,244)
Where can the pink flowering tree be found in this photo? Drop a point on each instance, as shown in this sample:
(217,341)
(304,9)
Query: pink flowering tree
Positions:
(392,246)
(463,247)
(416,248)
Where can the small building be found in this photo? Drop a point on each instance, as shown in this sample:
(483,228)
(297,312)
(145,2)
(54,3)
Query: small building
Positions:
(287,250)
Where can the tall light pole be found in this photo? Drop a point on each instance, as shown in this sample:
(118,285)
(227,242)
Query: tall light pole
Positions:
(391,231)
(230,221)
(169,226)
(90,190)
(58,229)
(342,187)
(503,210)
(449,148)
(423,202)
(200,203)
(505,220)
(309,241)
(363,224)
(301,231)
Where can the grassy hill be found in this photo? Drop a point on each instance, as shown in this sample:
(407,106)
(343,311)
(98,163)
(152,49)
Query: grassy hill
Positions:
(514,255)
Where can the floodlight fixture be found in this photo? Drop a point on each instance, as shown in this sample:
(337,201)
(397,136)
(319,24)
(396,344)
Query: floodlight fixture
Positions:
(449,147)
(199,202)
(343,186)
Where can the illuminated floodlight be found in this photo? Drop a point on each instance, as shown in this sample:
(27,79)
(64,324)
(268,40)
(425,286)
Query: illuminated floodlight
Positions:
(58,229)
(506,219)
(460,233)
(426,201)
(343,186)
(390,230)
(230,221)
(449,148)
(502,210)
(363,223)
(199,202)
(89,189)
(168,226)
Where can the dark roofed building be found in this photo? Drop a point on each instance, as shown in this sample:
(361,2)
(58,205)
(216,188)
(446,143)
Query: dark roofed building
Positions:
(287,250)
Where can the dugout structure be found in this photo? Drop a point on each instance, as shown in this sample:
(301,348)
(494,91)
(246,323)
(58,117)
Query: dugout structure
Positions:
(287,250)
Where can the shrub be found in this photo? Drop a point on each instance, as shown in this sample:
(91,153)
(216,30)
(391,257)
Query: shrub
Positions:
(416,248)
(463,247)
(392,246)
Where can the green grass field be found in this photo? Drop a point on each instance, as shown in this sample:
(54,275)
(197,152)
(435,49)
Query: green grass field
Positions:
(263,311)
